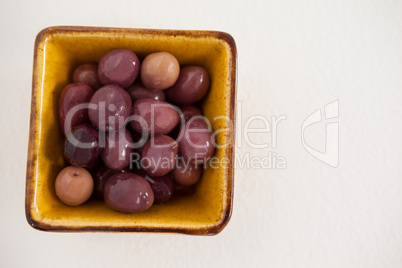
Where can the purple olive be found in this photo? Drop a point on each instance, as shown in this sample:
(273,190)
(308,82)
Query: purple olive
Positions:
(186,112)
(81,147)
(157,117)
(100,175)
(120,67)
(196,142)
(162,186)
(191,86)
(110,108)
(159,155)
(138,140)
(189,111)
(186,173)
(138,91)
(73,95)
(128,192)
(117,152)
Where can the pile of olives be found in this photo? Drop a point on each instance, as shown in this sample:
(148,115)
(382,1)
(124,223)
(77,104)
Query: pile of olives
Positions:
(133,131)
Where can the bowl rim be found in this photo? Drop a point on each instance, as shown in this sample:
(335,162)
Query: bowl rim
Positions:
(32,155)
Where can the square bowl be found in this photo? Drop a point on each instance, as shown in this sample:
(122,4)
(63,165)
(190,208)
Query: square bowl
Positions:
(58,50)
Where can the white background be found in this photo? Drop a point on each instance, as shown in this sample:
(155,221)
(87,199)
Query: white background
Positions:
(294,57)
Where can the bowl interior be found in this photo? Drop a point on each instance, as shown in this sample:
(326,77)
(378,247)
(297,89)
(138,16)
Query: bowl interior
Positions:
(58,52)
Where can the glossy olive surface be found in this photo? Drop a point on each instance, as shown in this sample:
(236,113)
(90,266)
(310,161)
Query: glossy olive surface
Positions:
(81,147)
(159,155)
(100,175)
(138,91)
(128,192)
(153,117)
(117,152)
(110,108)
(191,86)
(186,173)
(189,111)
(163,186)
(119,67)
(196,142)
(72,105)
(87,73)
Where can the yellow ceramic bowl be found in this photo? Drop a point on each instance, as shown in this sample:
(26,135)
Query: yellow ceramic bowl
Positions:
(58,50)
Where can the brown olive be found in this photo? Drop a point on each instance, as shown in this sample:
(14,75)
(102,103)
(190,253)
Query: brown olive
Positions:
(74,185)
(87,73)
(159,70)
(186,173)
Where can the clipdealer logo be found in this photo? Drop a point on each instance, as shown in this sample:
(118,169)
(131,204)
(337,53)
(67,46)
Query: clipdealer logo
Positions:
(271,159)
(330,156)
(266,140)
